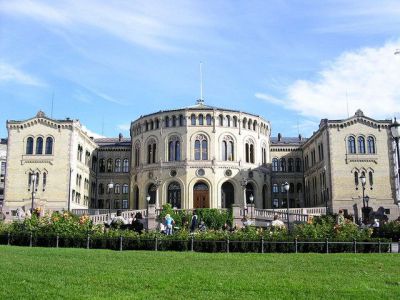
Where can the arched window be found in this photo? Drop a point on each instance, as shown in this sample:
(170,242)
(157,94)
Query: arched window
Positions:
(252,153)
(371,145)
(201,120)
(228,121)
(147,125)
(221,120)
(298,165)
(227,149)
(254,125)
(137,154)
(193,119)
(247,152)
(201,148)
(264,154)
(180,120)
(361,145)
(275,165)
(29,145)
(299,187)
(174,151)
(283,165)
(166,121)
(125,189)
(157,123)
(125,166)
(174,194)
(234,121)
(351,144)
(117,189)
(102,165)
(151,125)
(117,165)
(291,188)
(44,180)
(371,178)
(109,165)
(151,151)
(173,121)
(49,145)
(39,145)
(249,124)
(290,165)
(208,119)
(356,178)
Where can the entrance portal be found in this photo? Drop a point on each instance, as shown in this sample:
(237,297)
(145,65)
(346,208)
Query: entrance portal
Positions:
(227,195)
(201,197)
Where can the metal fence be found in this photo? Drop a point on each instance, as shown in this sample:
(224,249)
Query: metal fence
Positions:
(169,244)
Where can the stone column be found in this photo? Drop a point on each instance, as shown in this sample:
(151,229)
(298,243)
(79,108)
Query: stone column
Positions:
(151,217)
(237,218)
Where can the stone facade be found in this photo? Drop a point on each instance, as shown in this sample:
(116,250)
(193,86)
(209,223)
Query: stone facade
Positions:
(58,152)
(339,153)
(203,156)
(3,163)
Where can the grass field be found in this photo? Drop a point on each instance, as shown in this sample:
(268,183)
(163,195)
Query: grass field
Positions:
(47,273)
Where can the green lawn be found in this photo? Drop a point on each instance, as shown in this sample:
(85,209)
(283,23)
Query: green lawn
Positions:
(79,273)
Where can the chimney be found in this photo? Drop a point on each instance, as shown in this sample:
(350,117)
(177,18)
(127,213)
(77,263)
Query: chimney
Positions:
(120,136)
(279,137)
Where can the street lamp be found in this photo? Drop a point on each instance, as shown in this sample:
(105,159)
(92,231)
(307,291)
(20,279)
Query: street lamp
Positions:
(110,187)
(363,182)
(395,130)
(367,200)
(286,186)
(33,181)
(251,198)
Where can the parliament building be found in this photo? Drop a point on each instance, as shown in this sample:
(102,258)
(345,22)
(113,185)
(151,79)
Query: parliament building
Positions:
(201,157)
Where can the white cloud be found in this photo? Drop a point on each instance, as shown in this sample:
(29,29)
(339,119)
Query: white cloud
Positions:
(124,127)
(92,133)
(154,25)
(367,78)
(9,73)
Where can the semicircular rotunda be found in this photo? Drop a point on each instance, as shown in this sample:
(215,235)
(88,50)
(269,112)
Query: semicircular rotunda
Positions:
(199,157)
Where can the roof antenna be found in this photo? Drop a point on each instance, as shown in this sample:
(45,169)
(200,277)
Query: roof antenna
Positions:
(201,100)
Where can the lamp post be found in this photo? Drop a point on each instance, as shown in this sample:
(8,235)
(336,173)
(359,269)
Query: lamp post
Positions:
(395,130)
(110,187)
(251,198)
(286,186)
(243,183)
(33,181)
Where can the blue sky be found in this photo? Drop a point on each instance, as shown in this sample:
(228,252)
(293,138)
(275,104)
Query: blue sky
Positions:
(108,62)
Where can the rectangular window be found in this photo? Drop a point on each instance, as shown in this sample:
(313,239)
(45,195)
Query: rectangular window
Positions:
(124,204)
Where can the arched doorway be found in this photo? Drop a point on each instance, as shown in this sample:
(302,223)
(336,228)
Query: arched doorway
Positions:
(201,195)
(152,191)
(249,192)
(174,194)
(227,195)
(136,200)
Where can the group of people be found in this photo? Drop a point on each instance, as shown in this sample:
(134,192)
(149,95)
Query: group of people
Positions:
(135,222)
(167,225)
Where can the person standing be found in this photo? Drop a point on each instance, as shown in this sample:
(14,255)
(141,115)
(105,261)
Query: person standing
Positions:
(194,221)
(169,222)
